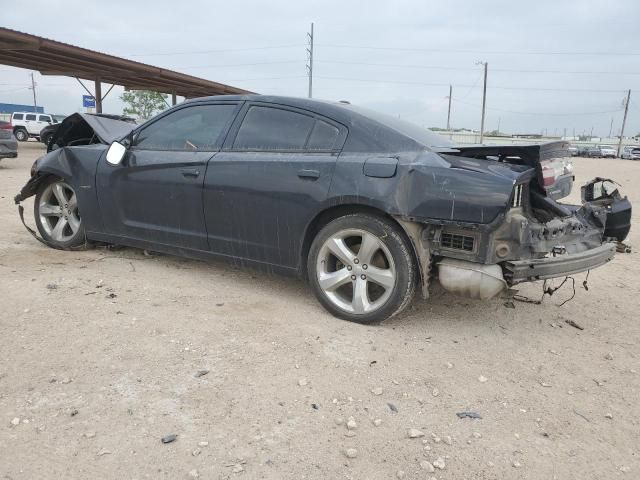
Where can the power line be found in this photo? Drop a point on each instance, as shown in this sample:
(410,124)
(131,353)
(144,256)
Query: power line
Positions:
(219,50)
(510,70)
(540,113)
(479,52)
(497,87)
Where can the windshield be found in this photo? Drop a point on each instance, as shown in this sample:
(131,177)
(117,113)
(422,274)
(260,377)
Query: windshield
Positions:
(411,130)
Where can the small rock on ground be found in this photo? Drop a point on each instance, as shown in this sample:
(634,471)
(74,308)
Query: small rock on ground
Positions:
(351,424)
(439,463)
(414,433)
(400,474)
(194,474)
(427,466)
(302,382)
(482,379)
(377,391)
(351,453)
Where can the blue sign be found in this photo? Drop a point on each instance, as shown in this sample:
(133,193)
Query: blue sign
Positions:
(88,101)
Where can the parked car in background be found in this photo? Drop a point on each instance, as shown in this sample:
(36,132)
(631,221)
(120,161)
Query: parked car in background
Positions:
(591,151)
(8,143)
(608,151)
(28,124)
(631,152)
(574,151)
(367,207)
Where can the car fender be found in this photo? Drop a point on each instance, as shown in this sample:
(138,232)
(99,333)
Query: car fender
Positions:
(77,166)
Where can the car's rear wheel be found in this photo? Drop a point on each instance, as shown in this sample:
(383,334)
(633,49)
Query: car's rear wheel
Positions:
(361,268)
(21,135)
(57,215)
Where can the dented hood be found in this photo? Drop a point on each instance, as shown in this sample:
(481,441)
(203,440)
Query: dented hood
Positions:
(107,129)
(81,128)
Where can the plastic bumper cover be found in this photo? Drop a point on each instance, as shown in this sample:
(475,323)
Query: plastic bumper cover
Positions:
(560,266)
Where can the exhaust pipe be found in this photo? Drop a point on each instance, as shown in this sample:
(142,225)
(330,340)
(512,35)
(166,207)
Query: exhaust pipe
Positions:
(469,279)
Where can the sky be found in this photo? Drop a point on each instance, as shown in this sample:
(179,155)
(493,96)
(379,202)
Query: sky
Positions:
(552,65)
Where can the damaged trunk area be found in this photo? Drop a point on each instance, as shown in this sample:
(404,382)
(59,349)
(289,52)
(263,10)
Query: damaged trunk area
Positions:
(537,237)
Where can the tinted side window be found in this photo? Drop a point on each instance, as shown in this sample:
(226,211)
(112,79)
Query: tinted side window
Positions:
(31,117)
(323,136)
(265,128)
(192,128)
(44,118)
(18,116)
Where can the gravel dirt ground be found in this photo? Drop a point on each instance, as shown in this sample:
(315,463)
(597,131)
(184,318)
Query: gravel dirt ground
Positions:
(100,349)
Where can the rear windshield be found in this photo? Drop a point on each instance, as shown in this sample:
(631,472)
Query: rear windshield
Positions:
(408,129)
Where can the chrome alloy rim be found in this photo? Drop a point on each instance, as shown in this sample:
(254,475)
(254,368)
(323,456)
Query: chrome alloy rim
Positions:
(58,211)
(355,271)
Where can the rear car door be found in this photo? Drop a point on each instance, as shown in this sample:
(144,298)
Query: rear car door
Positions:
(268,182)
(31,123)
(155,194)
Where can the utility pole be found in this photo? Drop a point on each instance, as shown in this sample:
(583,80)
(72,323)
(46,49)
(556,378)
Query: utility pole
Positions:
(624,120)
(484,100)
(33,87)
(611,128)
(310,64)
(499,125)
(449,111)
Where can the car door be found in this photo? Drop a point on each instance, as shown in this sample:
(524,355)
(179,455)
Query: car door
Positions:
(155,194)
(43,121)
(266,184)
(31,123)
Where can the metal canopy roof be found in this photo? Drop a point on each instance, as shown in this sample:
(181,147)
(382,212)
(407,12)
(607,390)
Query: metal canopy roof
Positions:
(49,57)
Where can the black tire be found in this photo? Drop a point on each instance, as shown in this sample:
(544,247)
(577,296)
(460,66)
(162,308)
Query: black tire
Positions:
(21,134)
(391,238)
(73,234)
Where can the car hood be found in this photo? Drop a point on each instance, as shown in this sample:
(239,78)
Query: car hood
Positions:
(80,128)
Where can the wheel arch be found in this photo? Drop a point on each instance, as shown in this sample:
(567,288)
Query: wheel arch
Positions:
(331,213)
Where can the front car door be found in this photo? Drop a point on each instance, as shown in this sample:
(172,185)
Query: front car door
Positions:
(268,182)
(155,194)
(43,121)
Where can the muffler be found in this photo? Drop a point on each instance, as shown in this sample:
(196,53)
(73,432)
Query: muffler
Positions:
(469,279)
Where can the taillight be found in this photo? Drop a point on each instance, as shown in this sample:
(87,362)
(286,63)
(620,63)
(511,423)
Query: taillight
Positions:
(553,169)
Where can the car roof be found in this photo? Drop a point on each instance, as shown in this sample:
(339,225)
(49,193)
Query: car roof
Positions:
(369,131)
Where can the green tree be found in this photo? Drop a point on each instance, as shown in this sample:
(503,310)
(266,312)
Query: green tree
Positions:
(143,103)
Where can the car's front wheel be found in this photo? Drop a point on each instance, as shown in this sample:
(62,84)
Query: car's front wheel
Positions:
(361,268)
(21,135)
(57,215)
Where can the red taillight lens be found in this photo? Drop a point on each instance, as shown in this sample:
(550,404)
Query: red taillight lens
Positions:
(552,169)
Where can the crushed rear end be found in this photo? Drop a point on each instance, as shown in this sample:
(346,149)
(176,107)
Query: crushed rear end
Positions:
(537,237)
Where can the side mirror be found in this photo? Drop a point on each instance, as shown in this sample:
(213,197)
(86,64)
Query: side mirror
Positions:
(115,154)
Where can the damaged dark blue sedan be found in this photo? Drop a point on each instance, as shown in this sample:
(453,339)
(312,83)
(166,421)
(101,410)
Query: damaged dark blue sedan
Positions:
(367,207)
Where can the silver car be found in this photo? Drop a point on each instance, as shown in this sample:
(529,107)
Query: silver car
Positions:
(607,151)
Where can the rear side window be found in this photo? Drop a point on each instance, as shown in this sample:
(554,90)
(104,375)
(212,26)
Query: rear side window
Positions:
(265,128)
(44,118)
(18,116)
(199,127)
(31,117)
(323,136)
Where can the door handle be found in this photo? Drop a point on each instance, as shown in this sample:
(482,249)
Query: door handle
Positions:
(190,172)
(311,174)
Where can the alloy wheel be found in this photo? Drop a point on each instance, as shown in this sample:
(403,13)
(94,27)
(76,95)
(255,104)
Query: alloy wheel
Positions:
(355,270)
(58,211)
